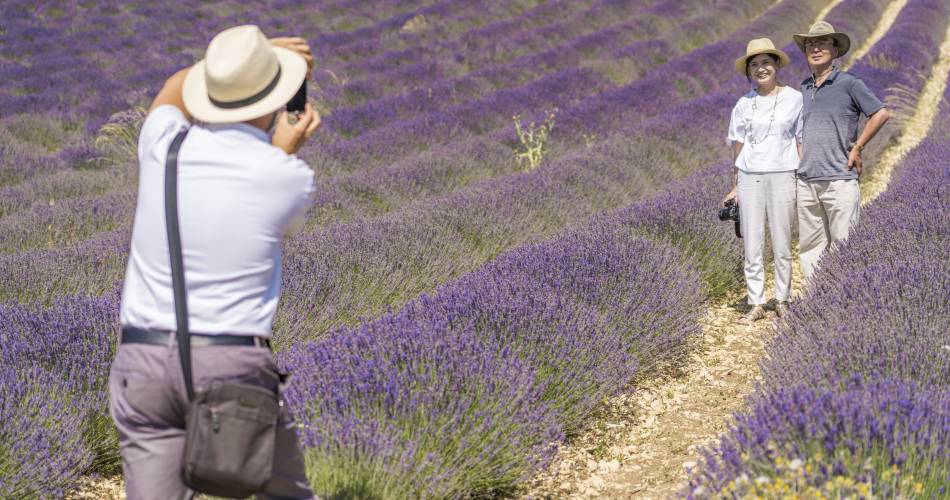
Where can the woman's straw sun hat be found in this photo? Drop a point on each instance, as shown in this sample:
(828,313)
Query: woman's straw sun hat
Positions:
(242,77)
(760,46)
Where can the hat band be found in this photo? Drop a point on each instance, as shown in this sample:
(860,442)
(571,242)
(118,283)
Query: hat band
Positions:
(250,100)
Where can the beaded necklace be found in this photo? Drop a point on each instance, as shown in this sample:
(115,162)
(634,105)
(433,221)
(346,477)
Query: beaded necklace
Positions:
(755,105)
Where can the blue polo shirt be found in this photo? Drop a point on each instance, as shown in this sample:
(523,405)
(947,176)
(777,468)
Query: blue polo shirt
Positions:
(830,114)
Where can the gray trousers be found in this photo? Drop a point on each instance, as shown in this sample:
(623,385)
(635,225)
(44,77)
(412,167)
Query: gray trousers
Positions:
(148,403)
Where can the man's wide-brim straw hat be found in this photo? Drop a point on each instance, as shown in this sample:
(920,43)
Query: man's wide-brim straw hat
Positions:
(760,46)
(242,77)
(821,28)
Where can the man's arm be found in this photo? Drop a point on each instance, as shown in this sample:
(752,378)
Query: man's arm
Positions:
(877,120)
(171,93)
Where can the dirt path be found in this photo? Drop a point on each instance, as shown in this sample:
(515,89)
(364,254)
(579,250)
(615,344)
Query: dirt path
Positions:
(642,444)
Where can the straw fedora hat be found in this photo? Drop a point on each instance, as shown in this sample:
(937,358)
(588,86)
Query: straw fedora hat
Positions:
(821,28)
(760,46)
(242,77)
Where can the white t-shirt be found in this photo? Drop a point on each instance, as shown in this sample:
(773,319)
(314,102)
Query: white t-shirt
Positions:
(237,195)
(767,149)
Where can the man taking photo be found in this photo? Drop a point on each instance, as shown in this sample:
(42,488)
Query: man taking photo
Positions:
(241,189)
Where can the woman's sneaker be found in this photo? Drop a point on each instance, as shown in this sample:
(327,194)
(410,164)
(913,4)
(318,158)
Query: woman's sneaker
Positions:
(755,314)
(781,309)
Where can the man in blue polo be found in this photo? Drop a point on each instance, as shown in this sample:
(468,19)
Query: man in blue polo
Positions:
(829,197)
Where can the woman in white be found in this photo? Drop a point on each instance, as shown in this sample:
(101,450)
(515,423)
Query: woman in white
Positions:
(764,133)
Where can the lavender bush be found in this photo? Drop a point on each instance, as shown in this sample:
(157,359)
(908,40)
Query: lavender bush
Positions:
(870,439)
(878,305)
(54,421)
(854,399)
(41,433)
(463,392)
(423,402)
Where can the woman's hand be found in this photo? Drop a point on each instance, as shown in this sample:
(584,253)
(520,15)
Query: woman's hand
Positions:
(731,196)
(298,45)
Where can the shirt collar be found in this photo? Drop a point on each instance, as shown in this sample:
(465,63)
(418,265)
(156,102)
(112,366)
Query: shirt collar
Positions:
(241,128)
(830,79)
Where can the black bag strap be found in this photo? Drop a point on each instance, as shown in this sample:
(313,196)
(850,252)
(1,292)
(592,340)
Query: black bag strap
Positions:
(177,262)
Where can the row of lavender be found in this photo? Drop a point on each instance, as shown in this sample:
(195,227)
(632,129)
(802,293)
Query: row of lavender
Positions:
(81,373)
(71,219)
(66,221)
(66,42)
(397,248)
(75,219)
(449,17)
(562,85)
(357,411)
(362,268)
(855,398)
(856,392)
(58,39)
(34,326)
(34,371)
(74,437)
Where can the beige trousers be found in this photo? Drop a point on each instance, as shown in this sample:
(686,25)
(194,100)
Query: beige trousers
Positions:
(827,210)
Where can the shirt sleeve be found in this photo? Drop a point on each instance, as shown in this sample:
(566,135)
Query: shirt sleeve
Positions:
(799,120)
(866,101)
(305,187)
(162,121)
(737,125)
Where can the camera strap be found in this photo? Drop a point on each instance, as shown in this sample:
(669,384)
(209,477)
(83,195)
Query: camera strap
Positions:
(177,261)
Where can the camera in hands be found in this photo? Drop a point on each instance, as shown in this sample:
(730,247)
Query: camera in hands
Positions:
(730,211)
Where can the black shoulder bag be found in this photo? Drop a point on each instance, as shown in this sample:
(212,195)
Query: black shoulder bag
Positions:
(230,427)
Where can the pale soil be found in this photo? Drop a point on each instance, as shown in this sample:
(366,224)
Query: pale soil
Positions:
(641,444)
(99,488)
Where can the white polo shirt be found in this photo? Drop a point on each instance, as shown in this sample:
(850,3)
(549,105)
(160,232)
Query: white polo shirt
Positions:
(237,195)
(774,148)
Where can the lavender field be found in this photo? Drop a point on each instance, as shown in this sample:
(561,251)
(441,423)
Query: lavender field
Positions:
(452,312)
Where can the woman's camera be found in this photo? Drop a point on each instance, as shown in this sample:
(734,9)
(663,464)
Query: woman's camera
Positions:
(731,212)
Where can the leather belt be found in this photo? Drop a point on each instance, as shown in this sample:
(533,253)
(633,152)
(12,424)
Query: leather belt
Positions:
(135,335)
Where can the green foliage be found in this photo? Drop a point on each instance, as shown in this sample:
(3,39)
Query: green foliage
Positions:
(860,474)
(118,139)
(533,138)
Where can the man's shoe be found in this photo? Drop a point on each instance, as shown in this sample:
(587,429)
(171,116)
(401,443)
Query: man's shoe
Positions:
(757,313)
(781,309)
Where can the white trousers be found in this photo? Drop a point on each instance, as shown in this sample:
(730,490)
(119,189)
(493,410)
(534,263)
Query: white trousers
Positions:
(769,197)
(827,210)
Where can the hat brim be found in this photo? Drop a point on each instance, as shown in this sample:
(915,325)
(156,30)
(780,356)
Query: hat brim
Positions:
(783,59)
(293,71)
(844,42)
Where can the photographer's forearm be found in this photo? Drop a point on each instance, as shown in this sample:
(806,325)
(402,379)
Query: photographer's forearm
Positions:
(171,93)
